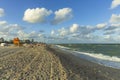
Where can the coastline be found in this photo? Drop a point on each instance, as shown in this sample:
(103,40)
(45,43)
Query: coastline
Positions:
(99,58)
(87,70)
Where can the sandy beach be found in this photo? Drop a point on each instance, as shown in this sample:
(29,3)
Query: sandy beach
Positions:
(49,63)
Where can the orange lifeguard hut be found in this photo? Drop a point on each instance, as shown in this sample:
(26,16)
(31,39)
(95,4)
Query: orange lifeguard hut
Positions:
(16,41)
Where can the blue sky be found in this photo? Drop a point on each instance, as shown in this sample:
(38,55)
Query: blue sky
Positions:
(61,21)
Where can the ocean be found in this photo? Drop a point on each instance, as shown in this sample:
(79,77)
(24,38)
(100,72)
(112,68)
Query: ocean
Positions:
(104,54)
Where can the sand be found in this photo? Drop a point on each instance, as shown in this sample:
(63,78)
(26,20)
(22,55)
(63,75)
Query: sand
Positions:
(49,63)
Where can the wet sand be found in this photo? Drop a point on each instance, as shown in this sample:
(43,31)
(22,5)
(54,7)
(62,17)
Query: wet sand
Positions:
(49,63)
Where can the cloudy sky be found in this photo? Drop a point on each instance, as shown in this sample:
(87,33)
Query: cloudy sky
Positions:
(61,21)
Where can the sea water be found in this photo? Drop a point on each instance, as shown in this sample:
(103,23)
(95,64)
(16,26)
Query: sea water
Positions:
(104,54)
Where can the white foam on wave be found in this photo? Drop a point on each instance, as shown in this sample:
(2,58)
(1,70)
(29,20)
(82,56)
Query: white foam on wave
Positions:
(111,61)
(101,56)
(62,47)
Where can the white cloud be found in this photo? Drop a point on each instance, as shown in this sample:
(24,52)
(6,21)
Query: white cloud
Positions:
(87,29)
(63,32)
(9,30)
(115,18)
(37,15)
(3,23)
(52,32)
(1,12)
(107,36)
(98,33)
(102,25)
(114,25)
(112,29)
(22,35)
(116,38)
(115,3)
(31,35)
(117,25)
(62,15)
(74,28)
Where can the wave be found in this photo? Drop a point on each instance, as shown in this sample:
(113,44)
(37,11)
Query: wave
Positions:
(110,61)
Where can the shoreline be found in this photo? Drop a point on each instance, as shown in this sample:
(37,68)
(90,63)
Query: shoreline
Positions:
(102,59)
(84,68)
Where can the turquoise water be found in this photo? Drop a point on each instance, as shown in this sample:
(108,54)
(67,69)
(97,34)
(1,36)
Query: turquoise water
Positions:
(106,49)
(104,54)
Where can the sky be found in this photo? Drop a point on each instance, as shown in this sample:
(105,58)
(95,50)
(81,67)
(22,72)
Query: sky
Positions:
(61,21)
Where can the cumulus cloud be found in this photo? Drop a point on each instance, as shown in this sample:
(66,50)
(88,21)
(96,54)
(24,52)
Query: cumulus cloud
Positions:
(52,32)
(107,36)
(22,34)
(3,23)
(63,32)
(116,25)
(15,27)
(31,35)
(109,32)
(73,32)
(115,18)
(102,25)
(102,32)
(85,33)
(87,29)
(37,15)
(62,15)
(115,3)
(112,29)
(1,12)
(9,30)
(74,28)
